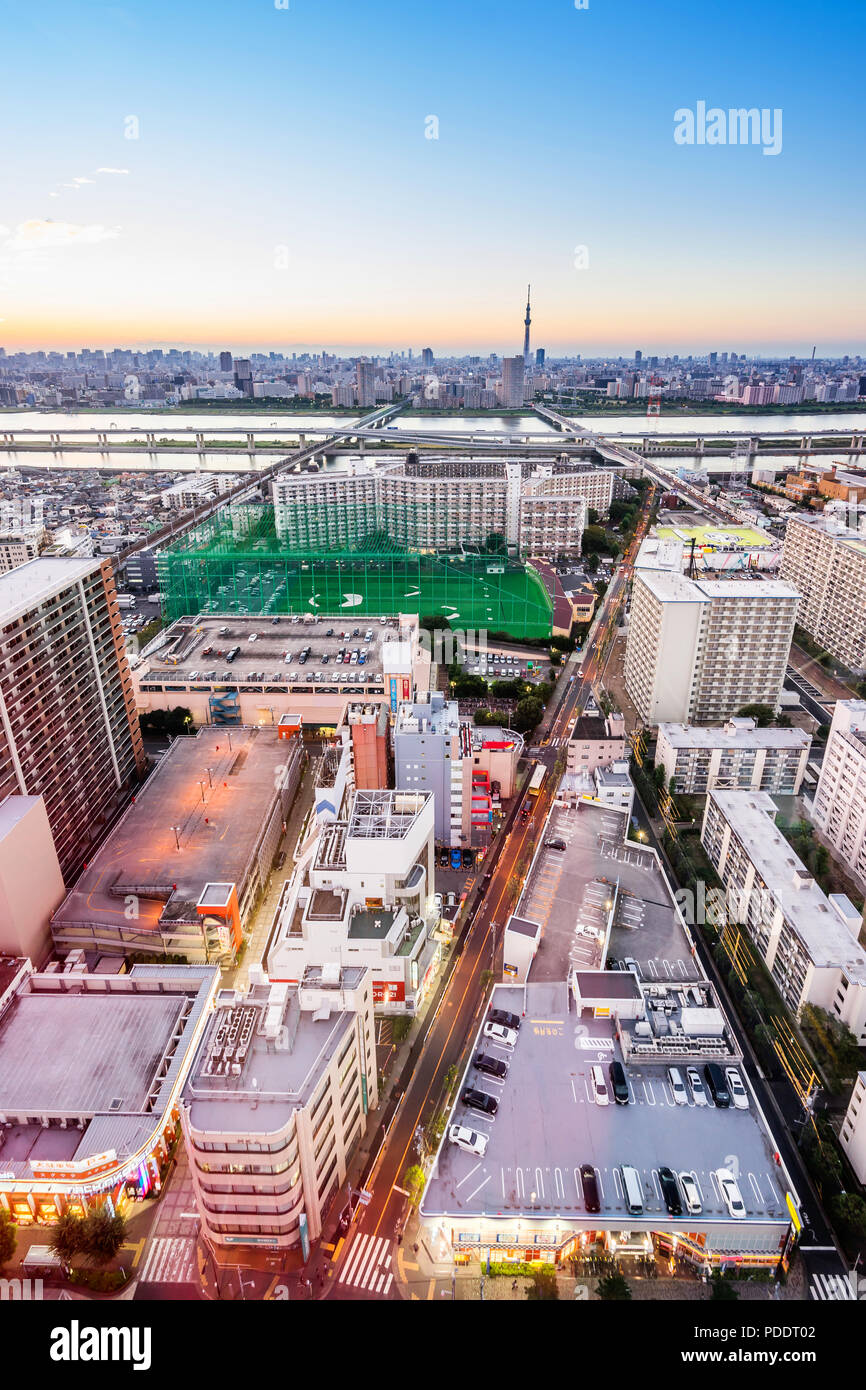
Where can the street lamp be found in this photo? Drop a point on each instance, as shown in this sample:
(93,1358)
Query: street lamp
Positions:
(176,829)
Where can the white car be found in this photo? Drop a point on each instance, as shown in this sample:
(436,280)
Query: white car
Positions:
(731,1195)
(631,964)
(496,1033)
(677,1086)
(699,1095)
(469,1140)
(691,1194)
(253,637)
(599,1089)
(739,1095)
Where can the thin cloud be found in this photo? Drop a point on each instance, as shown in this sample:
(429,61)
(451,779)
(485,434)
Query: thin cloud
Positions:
(83,180)
(112,171)
(38,234)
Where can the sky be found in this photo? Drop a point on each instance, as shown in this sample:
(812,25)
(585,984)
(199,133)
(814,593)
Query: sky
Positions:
(261,174)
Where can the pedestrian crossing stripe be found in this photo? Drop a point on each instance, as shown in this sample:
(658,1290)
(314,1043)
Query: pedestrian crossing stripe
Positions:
(170,1260)
(831,1287)
(368,1265)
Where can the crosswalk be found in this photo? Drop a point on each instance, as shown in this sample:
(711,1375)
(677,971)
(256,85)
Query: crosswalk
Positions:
(368,1264)
(827,1288)
(170,1260)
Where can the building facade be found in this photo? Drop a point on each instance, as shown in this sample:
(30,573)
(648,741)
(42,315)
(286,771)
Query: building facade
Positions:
(839,809)
(737,756)
(697,651)
(809,948)
(826,562)
(69,730)
(276,1104)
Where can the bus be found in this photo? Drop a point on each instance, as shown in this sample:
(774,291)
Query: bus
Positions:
(538,777)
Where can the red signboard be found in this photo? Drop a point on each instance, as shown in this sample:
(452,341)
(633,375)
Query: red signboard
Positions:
(396,990)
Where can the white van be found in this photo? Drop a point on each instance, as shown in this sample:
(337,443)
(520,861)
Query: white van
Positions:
(677,1086)
(632,1189)
(599,1089)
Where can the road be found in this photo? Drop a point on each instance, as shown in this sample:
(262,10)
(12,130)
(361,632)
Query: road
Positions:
(363,1261)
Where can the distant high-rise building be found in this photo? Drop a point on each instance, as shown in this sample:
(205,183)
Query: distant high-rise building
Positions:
(512,382)
(69,730)
(366,382)
(243,375)
(714,357)
(638,357)
(225,361)
(539,357)
(426,358)
(526,322)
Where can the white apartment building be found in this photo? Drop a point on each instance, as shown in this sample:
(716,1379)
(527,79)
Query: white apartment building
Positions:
(698,650)
(826,561)
(737,756)
(839,810)
(542,514)
(809,947)
(595,741)
(852,1135)
(362,894)
(276,1103)
(192,491)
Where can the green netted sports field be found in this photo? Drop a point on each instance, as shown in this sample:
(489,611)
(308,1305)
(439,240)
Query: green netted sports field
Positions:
(236,563)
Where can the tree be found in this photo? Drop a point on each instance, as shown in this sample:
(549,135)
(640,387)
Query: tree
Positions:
(413,1181)
(8,1239)
(68,1238)
(762,714)
(849,1211)
(543,1286)
(783,721)
(527,715)
(723,1289)
(591,562)
(103,1235)
(614,1288)
(162,722)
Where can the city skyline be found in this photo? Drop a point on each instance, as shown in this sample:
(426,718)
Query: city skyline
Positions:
(197,200)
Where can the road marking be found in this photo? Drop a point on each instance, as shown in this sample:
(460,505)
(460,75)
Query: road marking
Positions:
(131,1245)
(170,1260)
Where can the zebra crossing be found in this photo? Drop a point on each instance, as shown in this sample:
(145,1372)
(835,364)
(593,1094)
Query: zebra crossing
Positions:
(170,1260)
(826,1288)
(367,1265)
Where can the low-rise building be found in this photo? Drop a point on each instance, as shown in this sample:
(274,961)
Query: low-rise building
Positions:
(839,809)
(736,756)
(595,741)
(808,946)
(362,894)
(91,1071)
(186,864)
(276,1103)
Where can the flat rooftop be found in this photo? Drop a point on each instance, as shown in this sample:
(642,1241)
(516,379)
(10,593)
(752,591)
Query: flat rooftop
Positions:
(77,1053)
(30,584)
(735,734)
(828,941)
(197,647)
(273,1082)
(572,893)
(379,815)
(548,1125)
(195,822)
(677,588)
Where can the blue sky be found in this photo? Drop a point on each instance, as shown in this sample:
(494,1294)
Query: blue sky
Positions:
(281,191)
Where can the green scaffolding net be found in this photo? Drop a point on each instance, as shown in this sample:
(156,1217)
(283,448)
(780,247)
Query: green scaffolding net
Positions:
(236,563)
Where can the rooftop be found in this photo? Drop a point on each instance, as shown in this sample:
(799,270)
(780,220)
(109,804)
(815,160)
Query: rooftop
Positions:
(736,733)
(380,815)
(547,1125)
(676,588)
(828,941)
(29,584)
(195,822)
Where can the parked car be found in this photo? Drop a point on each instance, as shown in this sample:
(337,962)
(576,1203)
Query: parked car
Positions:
(670,1191)
(629,963)
(619,1083)
(739,1094)
(717,1084)
(504,1018)
(589,1183)
(490,1066)
(469,1140)
(496,1033)
(599,1089)
(468,859)
(480,1100)
(555,843)
(731,1195)
(699,1095)
(677,1086)
(691,1193)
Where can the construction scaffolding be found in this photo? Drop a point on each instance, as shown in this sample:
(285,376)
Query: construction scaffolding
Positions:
(234,562)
